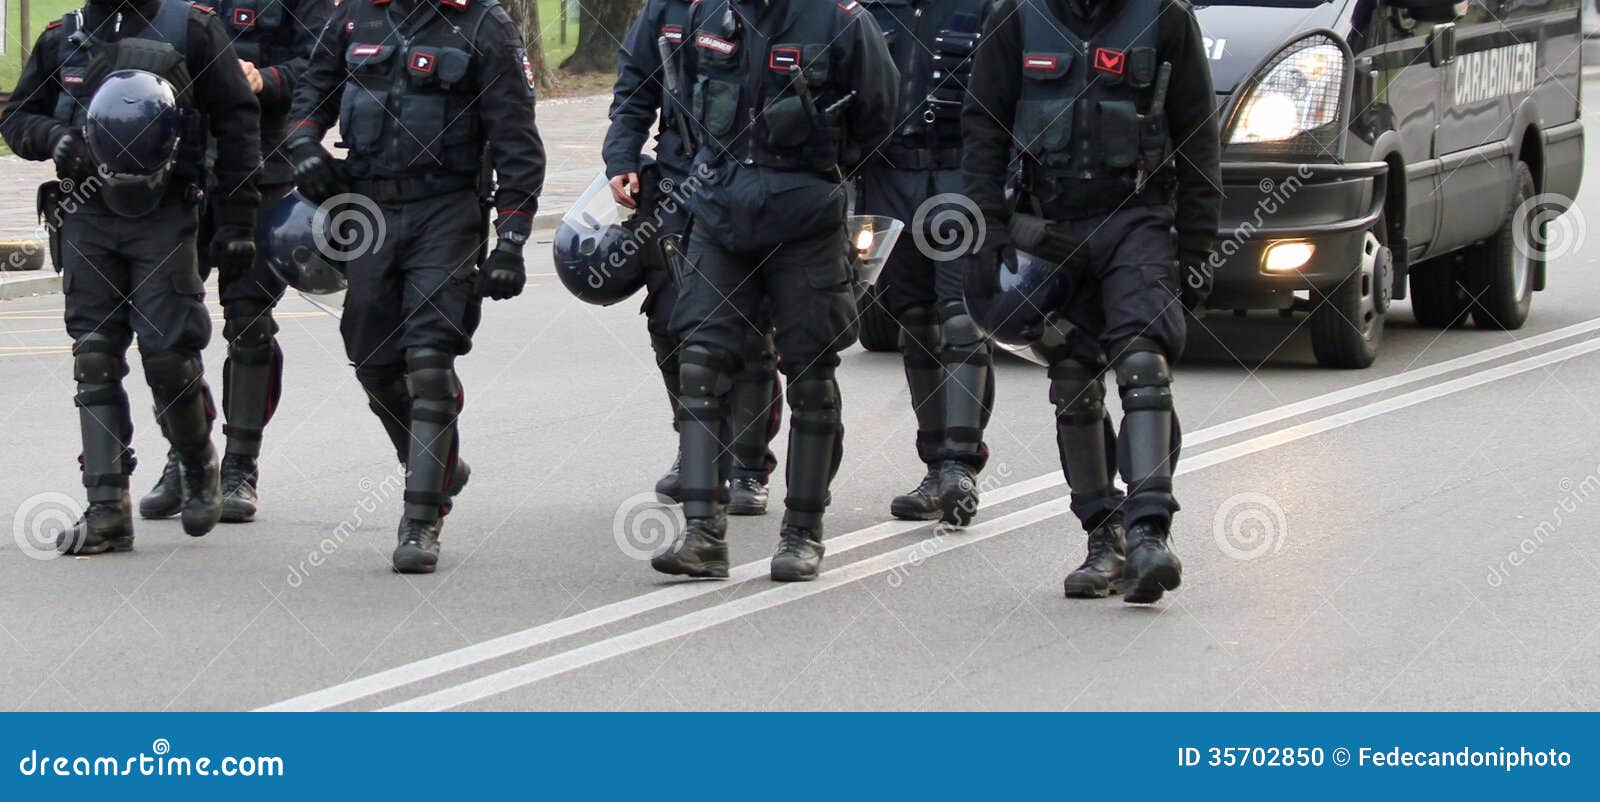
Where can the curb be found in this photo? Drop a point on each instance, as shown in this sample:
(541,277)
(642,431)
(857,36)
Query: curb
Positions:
(12,288)
(21,255)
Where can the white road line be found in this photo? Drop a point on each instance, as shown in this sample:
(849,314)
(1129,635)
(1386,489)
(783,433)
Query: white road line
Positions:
(690,623)
(511,643)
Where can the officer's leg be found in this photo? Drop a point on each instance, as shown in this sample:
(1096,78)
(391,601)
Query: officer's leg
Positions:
(252,376)
(815,309)
(107,525)
(968,396)
(435,404)
(372,317)
(1145,455)
(1087,445)
(173,327)
(666,348)
(921,342)
(757,416)
(390,400)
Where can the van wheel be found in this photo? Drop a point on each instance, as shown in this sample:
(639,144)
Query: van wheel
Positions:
(879,331)
(1347,320)
(1500,271)
(1439,296)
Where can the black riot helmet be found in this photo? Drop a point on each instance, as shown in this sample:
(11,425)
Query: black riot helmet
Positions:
(293,246)
(600,257)
(132,128)
(1015,307)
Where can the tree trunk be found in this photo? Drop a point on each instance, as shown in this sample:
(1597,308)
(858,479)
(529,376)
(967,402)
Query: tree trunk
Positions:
(526,14)
(601,28)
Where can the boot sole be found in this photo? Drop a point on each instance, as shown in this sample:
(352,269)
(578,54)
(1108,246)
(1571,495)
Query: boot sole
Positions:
(202,528)
(238,514)
(153,514)
(415,562)
(747,510)
(786,576)
(1152,584)
(715,570)
(110,547)
(905,514)
(1087,590)
(958,507)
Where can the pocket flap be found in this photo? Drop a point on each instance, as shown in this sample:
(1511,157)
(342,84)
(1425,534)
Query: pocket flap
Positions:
(1047,66)
(453,65)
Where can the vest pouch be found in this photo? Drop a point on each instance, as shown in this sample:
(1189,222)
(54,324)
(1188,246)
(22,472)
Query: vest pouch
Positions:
(361,116)
(1044,130)
(1116,133)
(788,123)
(716,104)
(271,16)
(368,60)
(420,140)
(454,64)
(1142,67)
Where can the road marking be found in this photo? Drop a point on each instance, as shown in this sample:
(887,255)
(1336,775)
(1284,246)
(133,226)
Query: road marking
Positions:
(690,623)
(389,679)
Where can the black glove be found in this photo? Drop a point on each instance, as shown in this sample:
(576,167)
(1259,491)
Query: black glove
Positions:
(996,254)
(504,273)
(70,154)
(316,173)
(1195,278)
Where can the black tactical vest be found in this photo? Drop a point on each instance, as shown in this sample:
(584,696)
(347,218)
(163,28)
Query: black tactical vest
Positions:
(767,101)
(262,30)
(932,42)
(409,106)
(159,48)
(672,22)
(1084,122)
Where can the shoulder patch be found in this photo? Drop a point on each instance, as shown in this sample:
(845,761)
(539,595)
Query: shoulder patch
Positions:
(459,5)
(852,7)
(203,9)
(53,24)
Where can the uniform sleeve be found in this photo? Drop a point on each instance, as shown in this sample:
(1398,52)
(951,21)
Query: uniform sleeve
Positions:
(1192,120)
(506,110)
(29,120)
(306,21)
(232,111)
(872,75)
(990,107)
(315,107)
(636,98)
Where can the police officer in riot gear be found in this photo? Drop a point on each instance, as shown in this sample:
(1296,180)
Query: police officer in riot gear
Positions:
(783,92)
(430,96)
(1110,104)
(649,71)
(273,40)
(121,97)
(947,358)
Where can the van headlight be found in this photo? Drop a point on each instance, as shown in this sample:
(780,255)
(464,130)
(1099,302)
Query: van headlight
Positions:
(1295,105)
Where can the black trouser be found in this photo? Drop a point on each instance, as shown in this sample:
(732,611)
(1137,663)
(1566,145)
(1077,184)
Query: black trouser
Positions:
(1125,315)
(757,405)
(126,278)
(948,363)
(252,376)
(412,307)
(720,303)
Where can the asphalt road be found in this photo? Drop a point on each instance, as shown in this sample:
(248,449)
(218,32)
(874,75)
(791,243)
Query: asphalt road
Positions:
(1419,535)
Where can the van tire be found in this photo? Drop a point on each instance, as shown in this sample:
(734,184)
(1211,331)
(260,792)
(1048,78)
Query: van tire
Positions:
(880,333)
(1499,274)
(1439,296)
(1346,321)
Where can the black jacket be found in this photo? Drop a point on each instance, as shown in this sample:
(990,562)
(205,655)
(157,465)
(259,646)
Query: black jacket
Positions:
(1191,110)
(640,94)
(284,54)
(221,94)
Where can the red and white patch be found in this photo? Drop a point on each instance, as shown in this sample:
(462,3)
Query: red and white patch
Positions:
(672,33)
(244,18)
(852,8)
(422,62)
(527,72)
(459,5)
(72,80)
(349,26)
(784,59)
(1040,63)
(706,41)
(362,51)
(1110,61)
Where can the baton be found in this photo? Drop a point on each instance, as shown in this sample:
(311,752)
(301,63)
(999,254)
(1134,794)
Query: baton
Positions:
(669,75)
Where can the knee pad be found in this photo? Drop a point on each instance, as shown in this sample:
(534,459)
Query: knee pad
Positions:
(98,359)
(919,335)
(172,374)
(432,382)
(960,330)
(704,372)
(814,393)
(1078,392)
(1143,376)
(383,383)
(252,344)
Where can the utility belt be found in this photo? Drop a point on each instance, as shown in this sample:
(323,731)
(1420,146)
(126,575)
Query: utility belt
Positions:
(413,188)
(921,159)
(1076,198)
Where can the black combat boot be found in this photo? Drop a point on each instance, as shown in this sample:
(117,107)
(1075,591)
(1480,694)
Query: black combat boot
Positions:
(1101,573)
(105,526)
(202,494)
(1152,568)
(799,555)
(700,552)
(747,496)
(165,500)
(670,486)
(239,476)
(921,504)
(418,552)
(958,492)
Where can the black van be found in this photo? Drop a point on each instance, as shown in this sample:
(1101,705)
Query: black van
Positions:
(1375,146)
